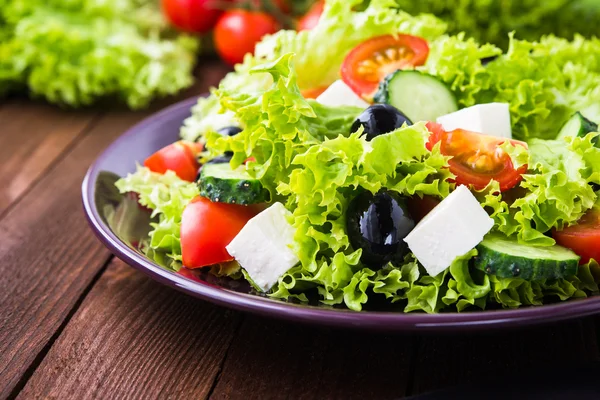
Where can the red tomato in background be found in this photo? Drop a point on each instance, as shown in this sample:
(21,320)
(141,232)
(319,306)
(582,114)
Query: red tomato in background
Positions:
(476,158)
(583,238)
(196,16)
(238,31)
(207,227)
(311,18)
(179,157)
(371,61)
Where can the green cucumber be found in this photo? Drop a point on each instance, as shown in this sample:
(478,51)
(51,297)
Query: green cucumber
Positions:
(577,125)
(220,183)
(506,258)
(419,96)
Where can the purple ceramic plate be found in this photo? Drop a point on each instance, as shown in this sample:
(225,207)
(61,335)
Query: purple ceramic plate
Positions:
(119,224)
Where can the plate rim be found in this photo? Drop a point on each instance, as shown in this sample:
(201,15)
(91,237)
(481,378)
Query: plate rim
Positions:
(333,317)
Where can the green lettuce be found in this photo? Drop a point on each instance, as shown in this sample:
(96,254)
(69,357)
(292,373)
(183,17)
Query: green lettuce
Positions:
(75,52)
(490,21)
(318,53)
(544,82)
(307,157)
(167,196)
(556,191)
(321,51)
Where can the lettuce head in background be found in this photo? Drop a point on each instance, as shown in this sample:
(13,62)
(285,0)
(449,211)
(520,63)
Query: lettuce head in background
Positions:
(75,52)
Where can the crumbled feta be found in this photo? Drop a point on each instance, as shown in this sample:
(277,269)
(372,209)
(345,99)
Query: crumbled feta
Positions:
(450,230)
(340,94)
(263,246)
(491,119)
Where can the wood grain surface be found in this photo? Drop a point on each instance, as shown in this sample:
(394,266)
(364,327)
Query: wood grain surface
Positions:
(77,324)
(133,338)
(273,359)
(32,137)
(49,255)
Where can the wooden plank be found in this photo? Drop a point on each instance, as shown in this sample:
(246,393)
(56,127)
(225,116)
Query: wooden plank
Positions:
(33,136)
(133,338)
(445,361)
(272,359)
(48,254)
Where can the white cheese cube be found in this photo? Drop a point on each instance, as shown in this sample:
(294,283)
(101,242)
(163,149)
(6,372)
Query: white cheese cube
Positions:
(491,119)
(263,246)
(450,230)
(340,94)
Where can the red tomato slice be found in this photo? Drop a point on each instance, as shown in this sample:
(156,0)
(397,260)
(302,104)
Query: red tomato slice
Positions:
(179,157)
(371,61)
(477,158)
(583,238)
(207,227)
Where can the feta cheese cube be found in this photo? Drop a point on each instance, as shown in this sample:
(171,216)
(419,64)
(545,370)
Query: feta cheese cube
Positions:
(450,230)
(340,94)
(263,246)
(491,119)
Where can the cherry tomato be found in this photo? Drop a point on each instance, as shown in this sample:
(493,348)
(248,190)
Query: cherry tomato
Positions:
(420,207)
(311,18)
(207,227)
(313,93)
(477,158)
(196,16)
(583,238)
(238,31)
(371,61)
(179,157)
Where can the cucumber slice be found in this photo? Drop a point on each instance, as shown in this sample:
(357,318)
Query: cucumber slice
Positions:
(419,96)
(507,258)
(220,183)
(577,125)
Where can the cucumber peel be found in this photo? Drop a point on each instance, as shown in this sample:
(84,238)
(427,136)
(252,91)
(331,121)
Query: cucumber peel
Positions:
(507,258)
(220,183)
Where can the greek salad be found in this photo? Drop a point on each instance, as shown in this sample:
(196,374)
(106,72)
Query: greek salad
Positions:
(377,159)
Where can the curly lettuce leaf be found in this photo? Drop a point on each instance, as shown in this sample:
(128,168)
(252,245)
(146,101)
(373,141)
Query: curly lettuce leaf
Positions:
(491,21)
(556,191)
(76,52)
(305,155)
(167,196)
(544,82)
(319,53)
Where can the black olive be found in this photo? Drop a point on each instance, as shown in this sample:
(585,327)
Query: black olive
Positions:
(377,224)
(230,130)
(379,119)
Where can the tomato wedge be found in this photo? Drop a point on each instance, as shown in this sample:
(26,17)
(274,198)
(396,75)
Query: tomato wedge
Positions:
(371,61)
(179,157)
(583,238)
(207,227)
(477,158)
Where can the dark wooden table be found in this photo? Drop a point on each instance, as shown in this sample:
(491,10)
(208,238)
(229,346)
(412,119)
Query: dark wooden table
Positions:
(75,322)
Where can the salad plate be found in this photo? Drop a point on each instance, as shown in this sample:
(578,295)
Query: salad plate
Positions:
(120,223)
